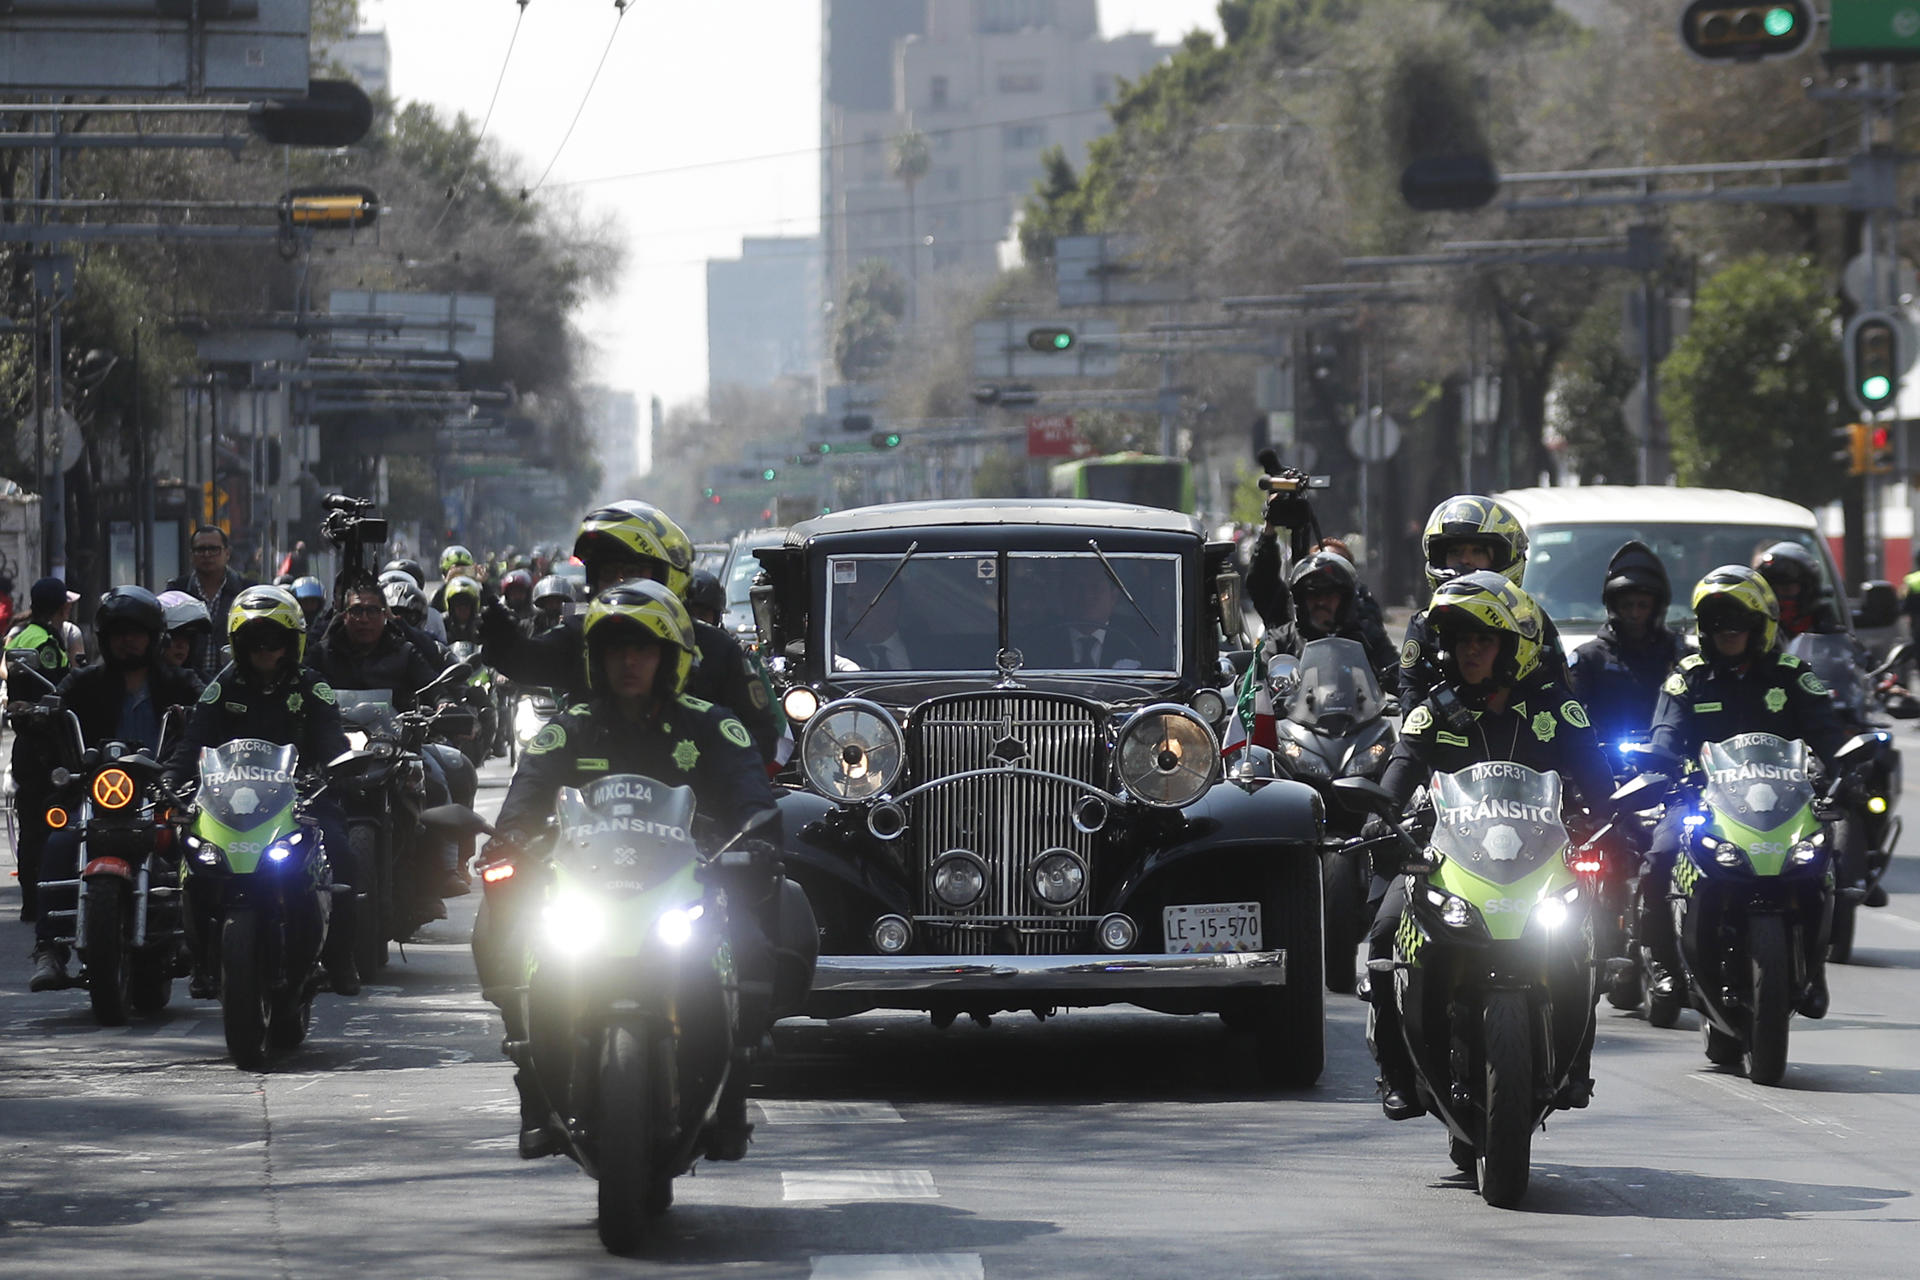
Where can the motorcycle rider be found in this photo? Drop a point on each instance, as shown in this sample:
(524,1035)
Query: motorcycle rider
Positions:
(1617,675)
(265,692)
(462,605)
(706,598)
(1805,604)
(1466,534)
(124,697)
(1491,644)
(551,596)
(618,543)
(1739,682)
(1325,592)
(516,592)
(458,562)
(639,651)
(311,594)
(47,643)
(189,629)
(432,622)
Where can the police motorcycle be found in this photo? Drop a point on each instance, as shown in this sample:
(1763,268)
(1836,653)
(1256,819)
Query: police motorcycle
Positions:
(1753,888)
(126,922)
(1863,839)
(1616,887)
(256,864)
(1333,722)
(1493,964)
(631,994)
(381,784)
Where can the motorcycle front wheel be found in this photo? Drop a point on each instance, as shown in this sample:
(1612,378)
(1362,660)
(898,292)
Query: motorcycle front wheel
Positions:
(109,967)
(1343,902)
(624,1139)
(243,991)
(1507,1149)
(1772,1000)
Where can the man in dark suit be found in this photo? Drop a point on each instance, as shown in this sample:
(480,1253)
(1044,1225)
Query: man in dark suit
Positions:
(1097,628)
(868,628)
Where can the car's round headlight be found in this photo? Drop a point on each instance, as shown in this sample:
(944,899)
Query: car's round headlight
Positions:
(959,878)
(1167,755)
(1058,877)
(852,750)
(800,703)
(1117,932)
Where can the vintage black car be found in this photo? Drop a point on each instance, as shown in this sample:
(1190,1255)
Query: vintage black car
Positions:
(1008,791)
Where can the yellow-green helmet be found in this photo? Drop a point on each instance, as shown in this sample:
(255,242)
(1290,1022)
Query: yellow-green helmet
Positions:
(1486,601)
(455,559)
(1472,518)
(257,609)
(1736,597)
(461,586)
(642,610)
(636,530)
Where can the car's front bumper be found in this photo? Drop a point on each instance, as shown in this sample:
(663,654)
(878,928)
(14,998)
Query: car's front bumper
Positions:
(956,975)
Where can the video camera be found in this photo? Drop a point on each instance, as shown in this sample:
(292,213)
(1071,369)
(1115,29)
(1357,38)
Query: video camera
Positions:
(349,525)
(1279,479)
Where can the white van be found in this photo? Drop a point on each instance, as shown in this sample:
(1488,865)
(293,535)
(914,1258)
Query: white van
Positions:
(1573,532)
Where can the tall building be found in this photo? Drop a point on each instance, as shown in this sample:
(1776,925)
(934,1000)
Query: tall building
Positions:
(365,56)
(991,84)
(613,427)
(763,312)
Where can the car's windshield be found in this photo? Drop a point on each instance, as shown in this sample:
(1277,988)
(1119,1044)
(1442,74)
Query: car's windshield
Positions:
(1567,564)
(1065,611)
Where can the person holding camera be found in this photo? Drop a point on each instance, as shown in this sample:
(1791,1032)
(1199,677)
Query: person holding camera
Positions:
(214,584)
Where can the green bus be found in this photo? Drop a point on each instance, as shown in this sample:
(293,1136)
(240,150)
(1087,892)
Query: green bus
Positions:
(1144,479)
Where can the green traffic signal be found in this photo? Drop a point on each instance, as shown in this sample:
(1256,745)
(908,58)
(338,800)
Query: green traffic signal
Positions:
(1878,387)
(768,474)
(1780,22)
(1873,360)
(1051,341)
(706,493)
(823,448)
(1728,30)
(885,440)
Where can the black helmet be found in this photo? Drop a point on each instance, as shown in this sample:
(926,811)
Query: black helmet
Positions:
(131,609)
(1635,567)
(1789,563)
(706,592)
(1318,573)
(409,567)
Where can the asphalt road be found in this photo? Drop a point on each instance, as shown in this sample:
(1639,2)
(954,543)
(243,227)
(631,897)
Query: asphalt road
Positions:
(1103,1143)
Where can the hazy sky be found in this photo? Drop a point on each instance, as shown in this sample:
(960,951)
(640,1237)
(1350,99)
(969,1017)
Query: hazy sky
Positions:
(695,87)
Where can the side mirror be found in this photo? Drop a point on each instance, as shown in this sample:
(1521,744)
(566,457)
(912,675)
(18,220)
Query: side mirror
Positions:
(455,820)
(1233,617)
(456,723)
(1642,792)
(765,613)
(454,674)
(1283,675)
(1364,794)
(1879,606)
(1651,759)
(1860,748)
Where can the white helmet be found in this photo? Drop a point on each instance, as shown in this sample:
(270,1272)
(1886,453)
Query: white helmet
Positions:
(183,611)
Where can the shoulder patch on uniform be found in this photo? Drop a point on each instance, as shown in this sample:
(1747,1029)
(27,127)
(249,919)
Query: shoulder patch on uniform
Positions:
(1574,714)
(757,693)
(1676,685)
(735,732)
(1691,661)
(211,693)
(1811,683)
(1452,739)
(324,691)
(1410,653)
(1791,660)
(550,738)
(696,704)
(1419,720)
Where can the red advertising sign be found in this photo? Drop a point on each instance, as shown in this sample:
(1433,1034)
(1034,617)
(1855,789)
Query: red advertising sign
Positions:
(1052,436)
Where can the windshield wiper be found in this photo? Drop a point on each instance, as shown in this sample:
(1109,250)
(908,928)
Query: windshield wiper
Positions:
(1108,566)
(905,556)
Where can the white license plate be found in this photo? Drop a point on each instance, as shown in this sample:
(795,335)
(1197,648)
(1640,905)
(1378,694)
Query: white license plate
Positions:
(1211,926)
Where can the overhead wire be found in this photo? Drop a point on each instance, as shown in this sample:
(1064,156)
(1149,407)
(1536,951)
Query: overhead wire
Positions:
(453,192)
(620,13)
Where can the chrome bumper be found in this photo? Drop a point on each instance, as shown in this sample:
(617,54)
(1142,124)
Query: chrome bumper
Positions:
(1040,974)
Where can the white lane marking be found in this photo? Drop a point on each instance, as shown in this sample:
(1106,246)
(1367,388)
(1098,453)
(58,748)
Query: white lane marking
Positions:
(899,1266)
(797,1112)
(1753,1093)
(1899,922)
(860,1184)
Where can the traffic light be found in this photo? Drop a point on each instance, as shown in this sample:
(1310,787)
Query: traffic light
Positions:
(854,423)
(1051,341)
(335,208)
(823,448)
(334,113)
(1855,448)
(768,473)
(1873,360)
(885,439)
(1880,450)
(1717,30)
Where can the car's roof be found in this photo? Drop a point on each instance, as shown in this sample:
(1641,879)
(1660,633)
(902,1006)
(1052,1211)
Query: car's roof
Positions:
(767,537)
(1010,511)
(1666,504)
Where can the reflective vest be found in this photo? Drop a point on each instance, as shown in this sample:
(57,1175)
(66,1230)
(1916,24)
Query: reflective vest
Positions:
(1913,584)
(42,649)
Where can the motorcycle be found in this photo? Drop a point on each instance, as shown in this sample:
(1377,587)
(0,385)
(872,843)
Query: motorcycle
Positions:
(127,928)
(1753,890)
(381,781)
(1616,891)
(480,696)
(255,865)
(1333,723)
(630,997)
(1493,964)
(1864,838)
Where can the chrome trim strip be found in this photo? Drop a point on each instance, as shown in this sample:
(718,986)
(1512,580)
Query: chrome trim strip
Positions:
(1041,974)
(1002,772)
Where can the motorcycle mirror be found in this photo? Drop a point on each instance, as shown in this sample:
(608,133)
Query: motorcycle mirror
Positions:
(455,820)
(1651,759)
(1642,792)
(456,723)
(457,672)
(1283,674)
(1364,794)
(1857,749)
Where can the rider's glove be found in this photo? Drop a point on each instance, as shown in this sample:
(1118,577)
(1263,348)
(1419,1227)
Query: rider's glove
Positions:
(1287,511)
(1375,828)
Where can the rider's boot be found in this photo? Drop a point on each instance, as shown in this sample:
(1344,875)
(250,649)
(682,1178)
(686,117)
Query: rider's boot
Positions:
(1399,1096)
(49,968)
(539,1136)
(1813,1001)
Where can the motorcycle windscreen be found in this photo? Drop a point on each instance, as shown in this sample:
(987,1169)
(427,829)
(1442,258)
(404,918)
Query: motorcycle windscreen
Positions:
(1759,791)
(246,783)
(1499,821)
(627,833)
(1337,689)
(1832,659)
(366,714)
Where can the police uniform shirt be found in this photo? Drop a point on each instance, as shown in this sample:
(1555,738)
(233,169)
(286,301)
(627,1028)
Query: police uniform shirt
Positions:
(299,708)
(1777,693)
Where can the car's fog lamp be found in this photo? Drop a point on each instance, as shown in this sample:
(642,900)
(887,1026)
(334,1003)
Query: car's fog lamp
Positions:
(891,934)
(1210,706)
(959,879)
(1117,933)
(1058,877)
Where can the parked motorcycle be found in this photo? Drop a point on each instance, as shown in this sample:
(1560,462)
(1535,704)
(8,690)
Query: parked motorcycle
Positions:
(257,867)
(1333,723)
(1493,964)
(631,995)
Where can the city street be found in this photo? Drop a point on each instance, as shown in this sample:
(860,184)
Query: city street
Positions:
(1113,1143)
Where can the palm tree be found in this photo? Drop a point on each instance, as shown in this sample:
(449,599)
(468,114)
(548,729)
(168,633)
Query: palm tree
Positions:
(912,157)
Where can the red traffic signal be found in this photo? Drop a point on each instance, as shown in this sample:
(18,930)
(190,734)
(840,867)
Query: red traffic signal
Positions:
(1717,30)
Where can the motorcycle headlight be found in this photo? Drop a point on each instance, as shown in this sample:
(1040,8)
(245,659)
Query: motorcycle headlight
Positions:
(852,750)
(1806,851)
(1365,761)
(1551,912)
(959,878)
(675,927)
(1302,761)
(1058,877)
(279,851)
(1876,805)
(1167,756)
(1455,913)
(575,923)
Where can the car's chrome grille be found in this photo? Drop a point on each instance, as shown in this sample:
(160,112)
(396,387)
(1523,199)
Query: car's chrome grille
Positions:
(1008,820)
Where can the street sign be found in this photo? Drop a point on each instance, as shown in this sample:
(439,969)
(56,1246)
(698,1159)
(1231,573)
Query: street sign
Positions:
(1896,285)
(460,323)
(1001,349)
(1374,436)
(237,48)
(1051,435)
(1873,31)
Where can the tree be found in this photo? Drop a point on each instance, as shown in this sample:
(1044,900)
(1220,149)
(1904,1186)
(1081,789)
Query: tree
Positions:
(1751,392)
(869,321)
(1590,392)
(911,159)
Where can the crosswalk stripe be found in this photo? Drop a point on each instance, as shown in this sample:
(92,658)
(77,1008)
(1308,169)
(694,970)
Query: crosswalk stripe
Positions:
(899,1266)
(860,1184)
(784,1111)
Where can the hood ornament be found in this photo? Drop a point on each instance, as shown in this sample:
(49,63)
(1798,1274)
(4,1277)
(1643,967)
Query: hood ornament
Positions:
(1008,661)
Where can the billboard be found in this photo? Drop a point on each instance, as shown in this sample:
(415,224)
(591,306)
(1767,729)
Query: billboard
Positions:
(426,324)
(237,48)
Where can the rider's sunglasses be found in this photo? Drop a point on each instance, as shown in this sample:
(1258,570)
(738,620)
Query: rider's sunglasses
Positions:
(365,611)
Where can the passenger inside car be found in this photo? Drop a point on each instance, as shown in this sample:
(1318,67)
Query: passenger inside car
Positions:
(1067,613)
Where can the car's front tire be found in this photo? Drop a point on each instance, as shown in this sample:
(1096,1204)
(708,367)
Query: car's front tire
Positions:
(1289,1023)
